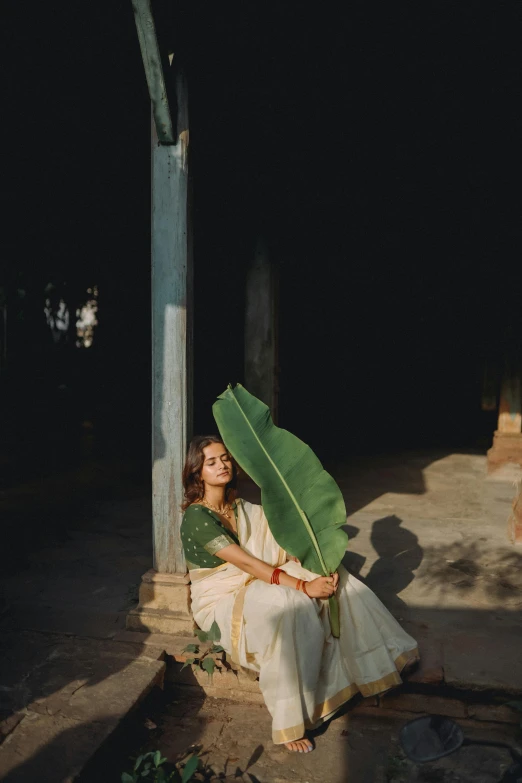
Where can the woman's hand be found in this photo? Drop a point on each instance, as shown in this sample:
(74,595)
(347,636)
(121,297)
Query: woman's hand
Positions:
(323,586)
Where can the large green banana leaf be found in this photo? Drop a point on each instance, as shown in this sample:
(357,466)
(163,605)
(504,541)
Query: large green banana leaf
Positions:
(303,504)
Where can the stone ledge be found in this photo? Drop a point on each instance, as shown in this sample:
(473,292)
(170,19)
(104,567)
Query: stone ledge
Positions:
(161,621)
(170,644)
(497,713)
(89,696)
(154,577)
(225,679)
(239,686)
(417,702)
(488,726)
(460,700)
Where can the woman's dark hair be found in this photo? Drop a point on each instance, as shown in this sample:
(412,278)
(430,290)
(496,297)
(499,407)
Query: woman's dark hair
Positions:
(192,483)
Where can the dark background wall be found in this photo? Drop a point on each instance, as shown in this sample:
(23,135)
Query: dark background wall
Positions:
(376,149)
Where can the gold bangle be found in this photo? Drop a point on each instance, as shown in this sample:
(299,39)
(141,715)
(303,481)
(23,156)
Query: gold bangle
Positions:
(298,585)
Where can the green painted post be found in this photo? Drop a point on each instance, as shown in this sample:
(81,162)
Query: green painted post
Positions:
(153,70)
(164,604)
(171,337)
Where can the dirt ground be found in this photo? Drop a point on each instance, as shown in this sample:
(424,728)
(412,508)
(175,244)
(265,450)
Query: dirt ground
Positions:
(234,743)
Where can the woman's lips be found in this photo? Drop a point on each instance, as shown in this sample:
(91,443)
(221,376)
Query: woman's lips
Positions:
(225,473)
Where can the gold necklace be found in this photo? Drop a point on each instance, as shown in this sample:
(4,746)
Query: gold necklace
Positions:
(225,511)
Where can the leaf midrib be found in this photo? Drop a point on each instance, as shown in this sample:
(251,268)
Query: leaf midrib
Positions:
(285,484)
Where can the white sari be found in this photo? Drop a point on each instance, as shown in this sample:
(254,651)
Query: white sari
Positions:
(305,674)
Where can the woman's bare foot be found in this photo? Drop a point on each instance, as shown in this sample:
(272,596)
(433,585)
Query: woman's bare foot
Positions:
(300,746)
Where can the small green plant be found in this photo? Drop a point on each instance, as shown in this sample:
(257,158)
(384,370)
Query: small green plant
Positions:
(149,768)
(201,661)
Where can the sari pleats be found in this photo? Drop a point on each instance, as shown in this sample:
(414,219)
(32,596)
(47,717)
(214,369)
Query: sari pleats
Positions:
(305,674)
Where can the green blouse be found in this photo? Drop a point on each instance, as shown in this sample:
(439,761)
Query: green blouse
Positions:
(203,534)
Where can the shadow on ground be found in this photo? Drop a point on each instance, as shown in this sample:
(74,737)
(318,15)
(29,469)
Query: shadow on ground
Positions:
(69,592)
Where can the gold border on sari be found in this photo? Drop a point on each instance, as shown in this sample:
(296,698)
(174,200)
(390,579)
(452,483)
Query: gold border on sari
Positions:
(237,622)
(333,703)
(378,686)
(220,542)
(288,735)
(406,658)
(324,710)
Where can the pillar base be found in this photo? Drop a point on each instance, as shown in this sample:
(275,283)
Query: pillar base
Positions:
(164,605)
(507,447)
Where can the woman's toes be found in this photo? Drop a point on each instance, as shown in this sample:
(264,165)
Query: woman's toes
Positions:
(300,746)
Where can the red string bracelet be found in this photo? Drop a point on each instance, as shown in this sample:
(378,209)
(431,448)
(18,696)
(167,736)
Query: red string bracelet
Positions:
(275,576)
(305,590)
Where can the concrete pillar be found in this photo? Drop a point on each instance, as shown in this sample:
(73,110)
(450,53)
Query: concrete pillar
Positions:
(164,592)
(507,440)
(261,376)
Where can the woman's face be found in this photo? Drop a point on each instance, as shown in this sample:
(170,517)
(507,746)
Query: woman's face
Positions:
(217,465)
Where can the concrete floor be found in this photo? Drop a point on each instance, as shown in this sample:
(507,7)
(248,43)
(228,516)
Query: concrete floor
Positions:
(428,534)
(429,531)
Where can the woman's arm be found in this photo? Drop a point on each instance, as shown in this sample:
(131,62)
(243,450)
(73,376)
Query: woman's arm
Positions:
(321,587)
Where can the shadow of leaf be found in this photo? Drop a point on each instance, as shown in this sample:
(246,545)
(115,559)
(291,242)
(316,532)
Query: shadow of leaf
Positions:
(465,567)
(254,758)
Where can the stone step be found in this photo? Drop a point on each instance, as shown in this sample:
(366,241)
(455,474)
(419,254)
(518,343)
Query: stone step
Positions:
(425,690)
(162,621)
(172,644)
(68,704)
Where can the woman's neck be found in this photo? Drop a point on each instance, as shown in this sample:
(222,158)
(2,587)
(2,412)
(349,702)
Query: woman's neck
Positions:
(215,496)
